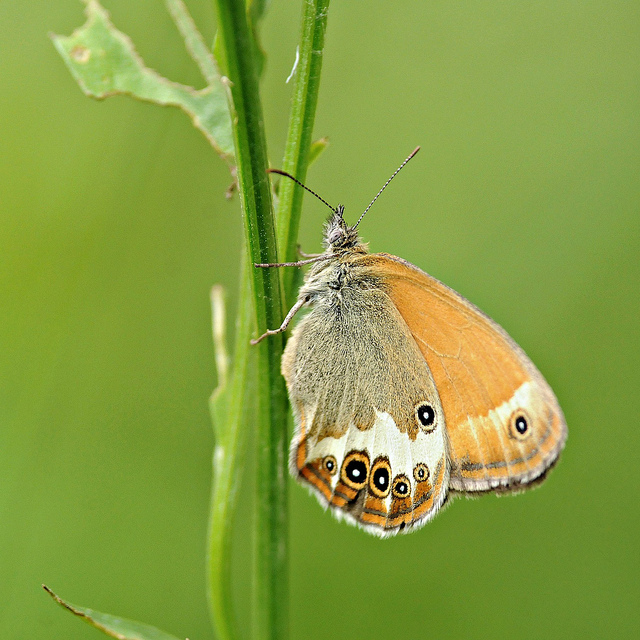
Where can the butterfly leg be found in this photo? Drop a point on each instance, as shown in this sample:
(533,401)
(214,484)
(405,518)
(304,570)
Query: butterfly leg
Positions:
(299,263)
(302,254)
(285,323)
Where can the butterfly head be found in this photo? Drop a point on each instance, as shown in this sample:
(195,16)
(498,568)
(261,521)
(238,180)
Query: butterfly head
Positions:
(338,236)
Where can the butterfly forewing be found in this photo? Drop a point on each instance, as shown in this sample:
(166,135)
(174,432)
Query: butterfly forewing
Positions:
(504,425)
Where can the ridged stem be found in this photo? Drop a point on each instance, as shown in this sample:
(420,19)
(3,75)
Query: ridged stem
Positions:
(269,424)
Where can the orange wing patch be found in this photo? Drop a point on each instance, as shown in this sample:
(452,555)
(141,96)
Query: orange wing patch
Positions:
(504,425)
(374,512)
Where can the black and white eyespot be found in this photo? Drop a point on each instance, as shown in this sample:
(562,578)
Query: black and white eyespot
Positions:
(426,416)
(519,425)
(421,472)
(330,465)
(401,487)
(355,470)
(380,479)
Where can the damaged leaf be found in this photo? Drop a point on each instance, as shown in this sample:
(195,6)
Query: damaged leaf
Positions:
(105,63)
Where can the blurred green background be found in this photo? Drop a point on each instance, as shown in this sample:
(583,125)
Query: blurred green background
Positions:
(525,198)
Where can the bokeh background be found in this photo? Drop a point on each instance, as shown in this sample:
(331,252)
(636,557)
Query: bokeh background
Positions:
(525,198)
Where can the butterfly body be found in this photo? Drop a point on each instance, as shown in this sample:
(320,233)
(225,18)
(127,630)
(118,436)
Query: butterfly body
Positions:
(403,391)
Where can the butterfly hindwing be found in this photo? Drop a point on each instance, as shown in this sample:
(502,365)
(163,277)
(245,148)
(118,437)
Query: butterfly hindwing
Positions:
(370,438)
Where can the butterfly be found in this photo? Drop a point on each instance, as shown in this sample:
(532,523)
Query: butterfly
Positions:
(404,393)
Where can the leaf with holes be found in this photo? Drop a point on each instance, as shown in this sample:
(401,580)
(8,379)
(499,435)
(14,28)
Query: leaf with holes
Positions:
(105,63)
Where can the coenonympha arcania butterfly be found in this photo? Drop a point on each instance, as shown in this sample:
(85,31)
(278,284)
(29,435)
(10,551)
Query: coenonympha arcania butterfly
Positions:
(404,392)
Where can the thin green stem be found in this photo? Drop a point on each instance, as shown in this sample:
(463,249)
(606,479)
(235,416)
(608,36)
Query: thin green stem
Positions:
(299,136)
(270,421)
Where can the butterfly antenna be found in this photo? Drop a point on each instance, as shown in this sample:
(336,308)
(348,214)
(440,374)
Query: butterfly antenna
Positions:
(384,186)
(288,175)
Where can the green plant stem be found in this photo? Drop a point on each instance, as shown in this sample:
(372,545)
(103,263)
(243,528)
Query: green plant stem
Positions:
(300,132)
(271,575)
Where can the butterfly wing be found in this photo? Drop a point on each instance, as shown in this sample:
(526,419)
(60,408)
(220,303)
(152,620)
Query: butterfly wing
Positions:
(504,425)
(369,437)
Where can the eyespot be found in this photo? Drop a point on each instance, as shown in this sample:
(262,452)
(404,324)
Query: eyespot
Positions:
(519,425)
(330,465)
(380,480)
(421,472)
(401,487)
(355,470)
(426,417)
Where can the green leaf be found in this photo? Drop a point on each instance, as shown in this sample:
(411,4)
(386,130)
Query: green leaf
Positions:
(317,148)
(218,401)
(232,405)
(105,63)
(113,626)
(193,41)
(256,10)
